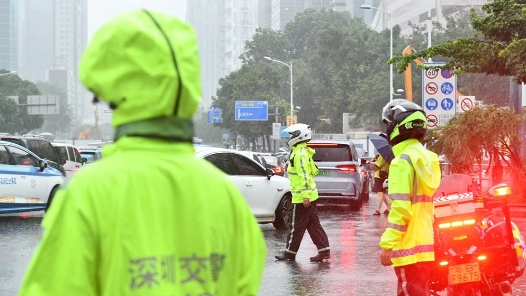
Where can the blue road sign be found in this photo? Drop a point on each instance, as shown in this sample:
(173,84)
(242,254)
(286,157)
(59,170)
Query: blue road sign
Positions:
(447,104)
(282,133)
(215,115)
(447,88)
(431,104)
(251,110)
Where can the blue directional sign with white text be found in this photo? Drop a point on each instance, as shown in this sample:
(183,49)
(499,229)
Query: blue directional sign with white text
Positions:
(215,115)
(251,110)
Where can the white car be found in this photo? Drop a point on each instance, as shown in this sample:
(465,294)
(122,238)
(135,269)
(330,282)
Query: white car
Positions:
(71,154)
(268,196)
(27,183)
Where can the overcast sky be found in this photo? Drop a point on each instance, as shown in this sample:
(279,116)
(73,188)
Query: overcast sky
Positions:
(100,11)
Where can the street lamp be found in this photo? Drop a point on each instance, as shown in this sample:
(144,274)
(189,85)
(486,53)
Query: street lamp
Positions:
(391,89)
(12,72)
(291,91)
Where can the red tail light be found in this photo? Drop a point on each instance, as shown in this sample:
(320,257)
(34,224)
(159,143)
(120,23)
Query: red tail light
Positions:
(347,168)
(364,173)
(278,170)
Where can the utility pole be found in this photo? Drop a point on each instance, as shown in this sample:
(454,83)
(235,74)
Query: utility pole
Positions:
(276,120)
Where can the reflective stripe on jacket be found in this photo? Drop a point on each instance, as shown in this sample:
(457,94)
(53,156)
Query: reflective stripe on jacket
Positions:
(409,230)
(301,172)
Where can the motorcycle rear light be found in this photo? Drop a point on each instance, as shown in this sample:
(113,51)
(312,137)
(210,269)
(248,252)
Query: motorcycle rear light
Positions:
(348,168)
(456,223)
(444,263)
(459,238)
(502,191)
(481,257)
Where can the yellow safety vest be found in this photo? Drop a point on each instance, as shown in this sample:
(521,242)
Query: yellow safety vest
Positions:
(414,176)
(301,171)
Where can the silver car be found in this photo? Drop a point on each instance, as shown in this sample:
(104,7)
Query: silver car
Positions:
(342,179)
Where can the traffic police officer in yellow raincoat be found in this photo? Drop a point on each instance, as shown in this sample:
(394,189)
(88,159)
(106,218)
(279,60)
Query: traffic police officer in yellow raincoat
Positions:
(414,175)
(301,171)
(149,218)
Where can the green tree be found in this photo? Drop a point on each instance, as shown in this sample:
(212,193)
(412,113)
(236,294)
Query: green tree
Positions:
(482,130)
(56,122)
(22,123)
(498,47)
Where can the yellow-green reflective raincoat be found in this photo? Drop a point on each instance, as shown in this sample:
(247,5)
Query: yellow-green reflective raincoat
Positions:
(382,166)
(409,231)
(301,172)
(149,218)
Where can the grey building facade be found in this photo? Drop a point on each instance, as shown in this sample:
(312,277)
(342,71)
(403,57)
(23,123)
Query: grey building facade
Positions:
(9,35)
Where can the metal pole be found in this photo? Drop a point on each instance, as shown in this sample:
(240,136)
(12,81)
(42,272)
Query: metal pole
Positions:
(429,26)
(391,90)
(276,121)
(291,92)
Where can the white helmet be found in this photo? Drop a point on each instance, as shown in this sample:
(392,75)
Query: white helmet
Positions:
(298,133)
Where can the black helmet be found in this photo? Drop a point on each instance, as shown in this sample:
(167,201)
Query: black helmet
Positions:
(405,120)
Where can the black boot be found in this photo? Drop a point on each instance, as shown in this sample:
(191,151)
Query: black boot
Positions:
(286,256)
(321,255)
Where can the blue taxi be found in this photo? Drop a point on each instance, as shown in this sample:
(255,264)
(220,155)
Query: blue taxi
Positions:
(27,183)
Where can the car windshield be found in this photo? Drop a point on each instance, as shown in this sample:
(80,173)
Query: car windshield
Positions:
(90,156)
(332,152)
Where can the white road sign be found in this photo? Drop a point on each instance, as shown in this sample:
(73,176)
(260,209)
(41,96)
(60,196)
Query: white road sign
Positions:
(465,103)
(439,94)
(276,126)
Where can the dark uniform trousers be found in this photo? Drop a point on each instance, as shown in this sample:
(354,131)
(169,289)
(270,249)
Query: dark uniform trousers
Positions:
(306,219)
(413,279)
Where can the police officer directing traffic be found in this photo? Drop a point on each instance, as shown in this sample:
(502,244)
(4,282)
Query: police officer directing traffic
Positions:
(301,171)
(149,218)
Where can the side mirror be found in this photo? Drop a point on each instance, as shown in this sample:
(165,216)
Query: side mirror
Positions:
(62,161)
(270,173)
(42,164)
(363,161)
(84,160)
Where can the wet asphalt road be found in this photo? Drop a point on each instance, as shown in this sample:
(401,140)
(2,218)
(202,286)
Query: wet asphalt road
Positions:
(354,268)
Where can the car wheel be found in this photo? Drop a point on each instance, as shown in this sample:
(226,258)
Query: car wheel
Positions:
(51,195)
(365,196)
(284,213)
(356,205)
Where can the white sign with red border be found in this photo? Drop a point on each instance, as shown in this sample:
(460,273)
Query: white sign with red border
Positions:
(465,103)
(439,94)
(432,120)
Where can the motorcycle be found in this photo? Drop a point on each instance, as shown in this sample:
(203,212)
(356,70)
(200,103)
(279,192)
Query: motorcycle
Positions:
(479,251)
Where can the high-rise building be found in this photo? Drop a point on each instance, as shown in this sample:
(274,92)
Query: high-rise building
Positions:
(416,11)
(70,39)
(9,35)
(278,13)
(36,30)
(222,28)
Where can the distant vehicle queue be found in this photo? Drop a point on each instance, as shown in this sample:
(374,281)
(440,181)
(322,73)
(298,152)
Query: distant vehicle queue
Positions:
(32,168)
(51,163)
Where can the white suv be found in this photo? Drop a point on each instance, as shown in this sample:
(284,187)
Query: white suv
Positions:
(74,160)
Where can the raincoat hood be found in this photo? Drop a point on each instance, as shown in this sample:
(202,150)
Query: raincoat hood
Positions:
(146,66)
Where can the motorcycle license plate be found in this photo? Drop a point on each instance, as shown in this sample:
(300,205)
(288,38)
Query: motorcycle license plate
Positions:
(464,273)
